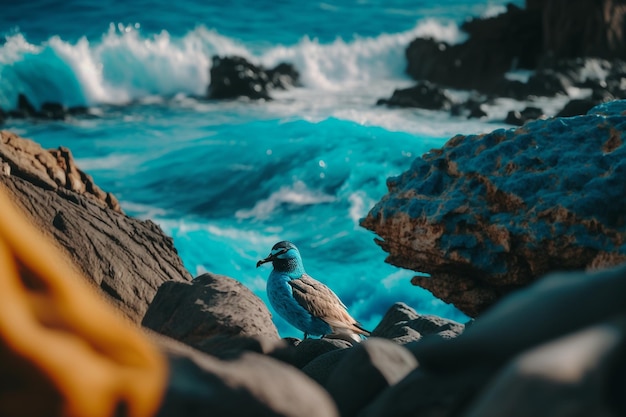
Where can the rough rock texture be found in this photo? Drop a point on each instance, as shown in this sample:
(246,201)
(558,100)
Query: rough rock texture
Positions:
(50,169)
(126,258)
(491,213)
(211,305)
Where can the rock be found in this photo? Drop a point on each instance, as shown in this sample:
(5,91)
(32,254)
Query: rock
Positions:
(574,28)
(320,368)
(574,372)
(547,349)
(125,257)
(251,385)
(53,111)
(24,107)
(51,169)
(365,371)
(495,46)
(3,116)
(538,203)
(518,118)
(402,324)
(234,76)
(577,107)
(211,305)
(284,76)
(309,349)
(433,394)
(424,95)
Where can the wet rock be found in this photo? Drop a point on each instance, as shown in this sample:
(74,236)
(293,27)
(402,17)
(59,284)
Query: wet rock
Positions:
(365,371)
(53,111)
(211,305)
(577,107)
(127,259)
(487,214)
(424,95)
(233,77)
(519,118)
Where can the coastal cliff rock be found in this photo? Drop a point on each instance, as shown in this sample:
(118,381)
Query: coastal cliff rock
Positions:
(126,258)
(488,214)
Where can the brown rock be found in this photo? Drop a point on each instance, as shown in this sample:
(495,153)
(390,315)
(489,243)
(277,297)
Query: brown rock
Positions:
(488,214)
(126,258)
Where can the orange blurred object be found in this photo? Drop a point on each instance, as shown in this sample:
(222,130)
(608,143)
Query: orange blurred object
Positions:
(63,350)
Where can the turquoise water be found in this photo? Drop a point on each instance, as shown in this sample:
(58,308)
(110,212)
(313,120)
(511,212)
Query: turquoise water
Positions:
(229,179)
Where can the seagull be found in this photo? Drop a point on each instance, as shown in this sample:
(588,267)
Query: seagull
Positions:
(304,302)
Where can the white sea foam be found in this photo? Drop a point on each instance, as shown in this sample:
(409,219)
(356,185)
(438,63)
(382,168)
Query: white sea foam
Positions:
(297,194)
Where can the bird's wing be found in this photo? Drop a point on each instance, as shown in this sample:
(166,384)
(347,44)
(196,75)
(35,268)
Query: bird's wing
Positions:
(322,302)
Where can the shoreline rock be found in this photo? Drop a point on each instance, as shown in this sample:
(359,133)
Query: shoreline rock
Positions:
(127,259)
(488,214)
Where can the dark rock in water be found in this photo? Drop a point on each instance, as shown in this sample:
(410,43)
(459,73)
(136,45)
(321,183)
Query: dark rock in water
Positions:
(24,108)
(518,118)
(402,324)
(251,385)
(234,76)
(548,83)
(284,76)
(365,371)
(424,95)
(3,116)
(52,111)
(577,107)
(487,214)
(125,257)
(210,305)
(495,46)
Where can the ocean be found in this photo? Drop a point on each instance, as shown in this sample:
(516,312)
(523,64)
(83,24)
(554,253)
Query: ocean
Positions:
(228,179)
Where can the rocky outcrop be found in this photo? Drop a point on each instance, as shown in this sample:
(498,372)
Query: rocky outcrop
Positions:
(233,77)
(558,40)
(48,111)
(126,258)
(487,214)
(424,95)
(211,305)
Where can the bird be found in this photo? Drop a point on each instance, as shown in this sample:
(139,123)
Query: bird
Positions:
(304,302)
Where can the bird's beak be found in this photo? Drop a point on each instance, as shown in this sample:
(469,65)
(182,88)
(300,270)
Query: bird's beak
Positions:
(262,261)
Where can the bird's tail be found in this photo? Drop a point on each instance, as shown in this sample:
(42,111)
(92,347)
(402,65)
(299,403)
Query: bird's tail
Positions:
(351,333)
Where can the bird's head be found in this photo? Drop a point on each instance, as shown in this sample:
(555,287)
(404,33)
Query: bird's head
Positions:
(283,253)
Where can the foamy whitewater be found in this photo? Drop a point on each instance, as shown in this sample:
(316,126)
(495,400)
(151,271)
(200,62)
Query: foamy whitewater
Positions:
(228,179)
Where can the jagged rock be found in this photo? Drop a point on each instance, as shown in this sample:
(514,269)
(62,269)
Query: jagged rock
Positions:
(125,257)
(365,371)
(234,76)
(487,214)
(250,385)
(211,305)
(519,118)
(424,95)
(495,45)
(53,111)
(402,324)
